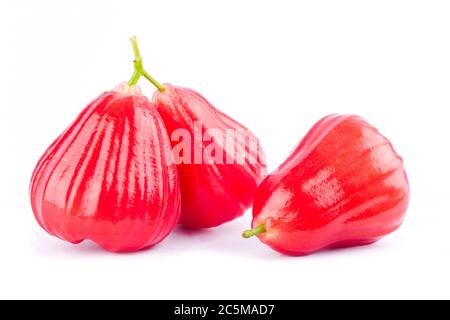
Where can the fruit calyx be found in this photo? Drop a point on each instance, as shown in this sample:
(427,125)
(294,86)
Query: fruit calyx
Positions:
(125,88)
(139,68)
(255,231)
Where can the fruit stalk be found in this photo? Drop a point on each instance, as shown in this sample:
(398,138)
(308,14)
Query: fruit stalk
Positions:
(139,68)
(255,231)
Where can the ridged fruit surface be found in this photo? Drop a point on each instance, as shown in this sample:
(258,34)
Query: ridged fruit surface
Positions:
(212,192)
(343,185)
(108,177)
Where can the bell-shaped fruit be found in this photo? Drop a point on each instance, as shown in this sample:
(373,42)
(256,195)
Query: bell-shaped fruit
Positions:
(109,177)
(220,162)
(343,185)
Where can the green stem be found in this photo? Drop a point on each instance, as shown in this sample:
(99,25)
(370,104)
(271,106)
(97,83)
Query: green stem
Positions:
(139,69)
(134,78)
(255,231)
(147,76)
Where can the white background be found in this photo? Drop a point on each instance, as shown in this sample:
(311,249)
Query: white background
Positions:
(277,67)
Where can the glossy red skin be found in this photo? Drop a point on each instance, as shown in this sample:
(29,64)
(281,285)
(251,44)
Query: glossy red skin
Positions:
(212,194)
(108,177)
(343,185)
